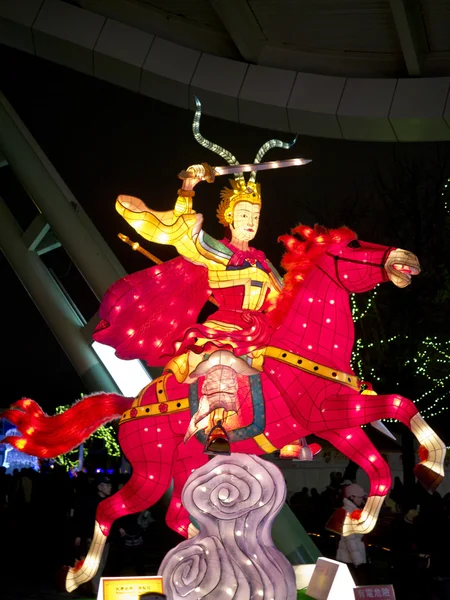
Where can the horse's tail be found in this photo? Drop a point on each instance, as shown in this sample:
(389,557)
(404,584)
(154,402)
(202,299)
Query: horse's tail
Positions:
(47,437)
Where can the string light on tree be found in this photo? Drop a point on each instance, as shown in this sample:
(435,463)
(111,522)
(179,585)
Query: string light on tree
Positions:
(425,358)
(106,433)
(433,355)
(357,313)
(357,360)
(445,193)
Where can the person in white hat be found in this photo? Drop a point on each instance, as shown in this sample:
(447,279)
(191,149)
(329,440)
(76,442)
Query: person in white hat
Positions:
(351,549)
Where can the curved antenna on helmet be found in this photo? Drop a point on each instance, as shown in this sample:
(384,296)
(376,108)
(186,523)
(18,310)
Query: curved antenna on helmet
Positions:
(265,148)
(230,158)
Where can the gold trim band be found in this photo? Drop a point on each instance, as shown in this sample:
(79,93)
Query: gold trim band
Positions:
(264,443)
(153,410)
(309,366)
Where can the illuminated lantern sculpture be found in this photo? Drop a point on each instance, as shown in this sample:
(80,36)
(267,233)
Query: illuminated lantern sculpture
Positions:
(235,501)
(241,279)
(269,368)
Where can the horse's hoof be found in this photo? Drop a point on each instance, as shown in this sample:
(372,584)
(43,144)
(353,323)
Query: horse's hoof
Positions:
(427,477)
(71,582)
(336,521)
(72,576)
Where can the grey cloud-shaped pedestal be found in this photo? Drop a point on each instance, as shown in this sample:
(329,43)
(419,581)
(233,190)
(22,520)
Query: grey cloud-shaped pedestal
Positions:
(235,499)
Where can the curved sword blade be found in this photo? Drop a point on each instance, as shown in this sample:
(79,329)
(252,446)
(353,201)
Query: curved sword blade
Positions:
(273,164)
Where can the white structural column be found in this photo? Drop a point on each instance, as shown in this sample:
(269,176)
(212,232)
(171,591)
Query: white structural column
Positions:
(411,38)
(81,240)
(52,304)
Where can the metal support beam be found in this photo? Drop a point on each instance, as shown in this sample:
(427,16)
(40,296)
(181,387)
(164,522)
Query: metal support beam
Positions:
(39,237)
(35,233)
(409,25)
(48,243)
(238,19)
(52,304)
(59,207)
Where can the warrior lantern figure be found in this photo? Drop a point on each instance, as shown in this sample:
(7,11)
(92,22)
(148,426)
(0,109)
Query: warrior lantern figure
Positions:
(243,283)
(240,376)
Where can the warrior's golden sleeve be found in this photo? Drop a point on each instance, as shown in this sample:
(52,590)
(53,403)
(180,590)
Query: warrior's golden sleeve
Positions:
(179,227)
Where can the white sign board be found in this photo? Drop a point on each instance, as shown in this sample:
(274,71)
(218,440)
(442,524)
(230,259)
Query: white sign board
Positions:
(331,580)
(303,574)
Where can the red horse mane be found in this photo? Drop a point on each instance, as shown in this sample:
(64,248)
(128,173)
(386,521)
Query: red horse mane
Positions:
(300,256)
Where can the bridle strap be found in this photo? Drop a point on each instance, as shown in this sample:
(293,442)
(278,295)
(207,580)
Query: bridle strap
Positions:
(338,258)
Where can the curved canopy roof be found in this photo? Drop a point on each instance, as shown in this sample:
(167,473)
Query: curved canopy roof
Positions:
(368,69)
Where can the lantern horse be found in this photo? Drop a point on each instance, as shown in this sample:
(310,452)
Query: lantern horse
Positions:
(305,386)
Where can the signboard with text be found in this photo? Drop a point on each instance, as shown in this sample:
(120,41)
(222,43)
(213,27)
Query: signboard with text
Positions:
(128,588)
(364,592)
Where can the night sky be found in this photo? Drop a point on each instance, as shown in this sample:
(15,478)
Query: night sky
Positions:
(105,141)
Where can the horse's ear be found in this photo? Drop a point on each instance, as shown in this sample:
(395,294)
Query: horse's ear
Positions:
(320,230)
(347,233)
(303,231)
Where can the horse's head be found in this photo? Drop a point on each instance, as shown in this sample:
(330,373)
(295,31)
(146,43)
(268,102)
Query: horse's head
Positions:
(358,266)
(354,265)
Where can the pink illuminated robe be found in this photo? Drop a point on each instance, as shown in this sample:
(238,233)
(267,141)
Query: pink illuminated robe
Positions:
(152,314)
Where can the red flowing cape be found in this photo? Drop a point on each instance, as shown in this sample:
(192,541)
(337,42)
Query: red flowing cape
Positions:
(145,313)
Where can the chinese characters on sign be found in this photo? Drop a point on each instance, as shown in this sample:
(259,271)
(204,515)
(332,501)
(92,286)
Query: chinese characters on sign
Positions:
(130,588)
(374,591)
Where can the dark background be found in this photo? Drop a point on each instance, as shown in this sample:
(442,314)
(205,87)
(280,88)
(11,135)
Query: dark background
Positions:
(105,141)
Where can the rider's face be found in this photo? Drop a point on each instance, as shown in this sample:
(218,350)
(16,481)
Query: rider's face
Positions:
(245,221)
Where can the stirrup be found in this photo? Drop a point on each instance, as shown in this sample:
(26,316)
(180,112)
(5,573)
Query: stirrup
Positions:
(217,442)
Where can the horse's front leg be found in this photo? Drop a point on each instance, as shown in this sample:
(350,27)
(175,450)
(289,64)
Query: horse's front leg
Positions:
(150,446)
(352,410)
(355,444)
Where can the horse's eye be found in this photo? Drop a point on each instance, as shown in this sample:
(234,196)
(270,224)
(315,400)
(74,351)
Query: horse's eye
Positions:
(354,244)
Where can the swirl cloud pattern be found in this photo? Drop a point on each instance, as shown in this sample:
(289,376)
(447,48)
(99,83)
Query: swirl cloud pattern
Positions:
(235,500)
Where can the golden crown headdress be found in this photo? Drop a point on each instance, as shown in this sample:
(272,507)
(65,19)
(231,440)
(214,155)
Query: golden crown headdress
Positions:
(240,190)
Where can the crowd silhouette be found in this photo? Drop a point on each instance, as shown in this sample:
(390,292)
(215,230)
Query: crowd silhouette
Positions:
(409,547)
(48,516)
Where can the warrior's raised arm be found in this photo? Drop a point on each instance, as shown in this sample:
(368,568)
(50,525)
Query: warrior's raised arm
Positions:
(182,226)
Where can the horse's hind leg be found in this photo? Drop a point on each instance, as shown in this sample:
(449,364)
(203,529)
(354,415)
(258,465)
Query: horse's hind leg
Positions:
(355,444)
(188,457)
(151,456)
(430,470)
(349,410)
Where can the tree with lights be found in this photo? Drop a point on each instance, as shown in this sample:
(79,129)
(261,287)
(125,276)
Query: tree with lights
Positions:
(407,347)
(411,350)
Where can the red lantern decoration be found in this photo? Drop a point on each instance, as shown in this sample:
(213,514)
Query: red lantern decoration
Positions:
(290,350)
